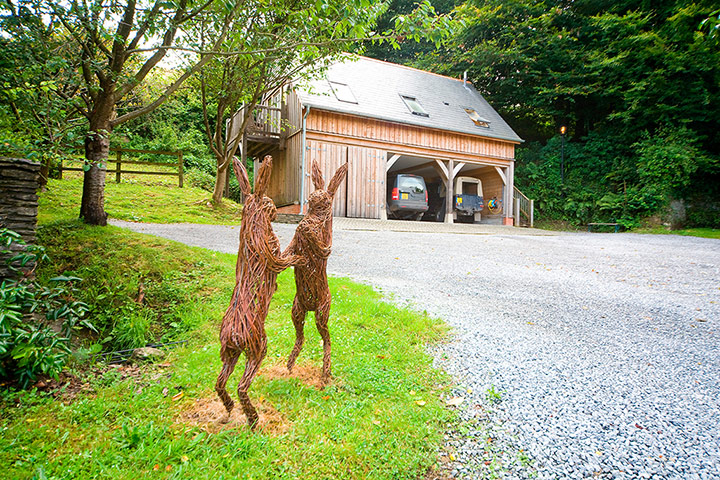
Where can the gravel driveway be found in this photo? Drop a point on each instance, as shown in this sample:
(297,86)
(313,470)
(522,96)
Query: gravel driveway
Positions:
(601,351)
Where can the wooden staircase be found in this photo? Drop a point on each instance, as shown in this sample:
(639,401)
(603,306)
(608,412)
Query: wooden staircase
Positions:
(524,209)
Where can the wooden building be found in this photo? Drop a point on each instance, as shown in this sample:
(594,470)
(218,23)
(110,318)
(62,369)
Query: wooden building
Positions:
(382,118)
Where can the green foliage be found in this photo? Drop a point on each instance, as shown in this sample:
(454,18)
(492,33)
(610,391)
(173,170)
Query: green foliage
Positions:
(669,159)
(29,346)
(367,424)
(635,83)
(200,179)
(135,292)
(139,199)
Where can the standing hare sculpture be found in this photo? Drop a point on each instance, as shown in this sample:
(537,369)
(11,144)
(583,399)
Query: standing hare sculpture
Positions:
(313,241)
(258,264)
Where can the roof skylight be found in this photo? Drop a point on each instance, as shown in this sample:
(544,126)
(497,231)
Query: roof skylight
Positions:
(477,119)
(342,92)
(414,106)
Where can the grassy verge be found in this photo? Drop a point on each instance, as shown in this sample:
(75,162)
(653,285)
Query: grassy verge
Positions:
(138,199)
(558,225)
(689,232)
(381,418)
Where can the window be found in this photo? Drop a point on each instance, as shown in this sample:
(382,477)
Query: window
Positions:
(414,106)
(414,184)
(477,119)
(342,92)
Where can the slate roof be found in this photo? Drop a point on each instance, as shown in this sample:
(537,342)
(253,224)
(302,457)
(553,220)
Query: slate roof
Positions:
(378,86)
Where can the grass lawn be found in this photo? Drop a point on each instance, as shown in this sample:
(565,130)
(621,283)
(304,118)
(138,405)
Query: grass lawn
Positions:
(381,418)
(138,198)
(656,230)
(690,232)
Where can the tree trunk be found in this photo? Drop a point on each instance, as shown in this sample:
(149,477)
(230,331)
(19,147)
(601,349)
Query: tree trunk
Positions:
(220,179)
(92,209)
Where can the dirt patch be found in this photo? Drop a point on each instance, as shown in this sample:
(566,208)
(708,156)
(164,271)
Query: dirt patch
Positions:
(66,387)
(209,414)
(309,375)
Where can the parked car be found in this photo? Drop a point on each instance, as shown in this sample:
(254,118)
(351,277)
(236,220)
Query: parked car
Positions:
(407,196)
(468,199)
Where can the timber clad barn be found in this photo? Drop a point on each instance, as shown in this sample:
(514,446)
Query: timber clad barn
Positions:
(384,119)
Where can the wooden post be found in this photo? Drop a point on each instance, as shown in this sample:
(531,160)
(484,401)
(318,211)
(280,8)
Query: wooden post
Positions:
(62,160)
(517,212)
(118,162)
(449,195)
(532,213)
(181,171)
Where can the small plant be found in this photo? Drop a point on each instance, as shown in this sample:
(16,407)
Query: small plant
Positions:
(131,438)
(492,396)
(28,345)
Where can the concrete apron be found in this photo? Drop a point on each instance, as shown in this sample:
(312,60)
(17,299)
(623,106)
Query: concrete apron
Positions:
(344,223)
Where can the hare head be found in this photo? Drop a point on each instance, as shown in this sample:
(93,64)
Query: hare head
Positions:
(256,203)
(320,201)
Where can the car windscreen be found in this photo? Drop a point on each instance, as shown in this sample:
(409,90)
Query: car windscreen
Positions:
(414,184)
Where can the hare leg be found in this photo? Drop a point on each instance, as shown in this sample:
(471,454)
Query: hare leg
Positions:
(252,365)
(322,316)
(229,359)
(298,318)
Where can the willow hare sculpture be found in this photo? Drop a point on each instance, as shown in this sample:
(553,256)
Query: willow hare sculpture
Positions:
(313,241)
(258,265)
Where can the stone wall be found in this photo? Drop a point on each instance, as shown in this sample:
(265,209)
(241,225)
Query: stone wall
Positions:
(18,201)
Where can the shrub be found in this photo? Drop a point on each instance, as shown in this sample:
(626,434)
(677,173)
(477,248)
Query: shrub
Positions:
(28,345)
(200,179)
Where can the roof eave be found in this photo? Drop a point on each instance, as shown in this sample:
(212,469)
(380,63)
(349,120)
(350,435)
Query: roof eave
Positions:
(304,103)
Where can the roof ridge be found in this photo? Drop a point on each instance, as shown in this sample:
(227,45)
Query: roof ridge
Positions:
(411,68)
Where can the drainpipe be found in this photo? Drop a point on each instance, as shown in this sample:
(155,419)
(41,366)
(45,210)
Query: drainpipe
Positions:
(302,166)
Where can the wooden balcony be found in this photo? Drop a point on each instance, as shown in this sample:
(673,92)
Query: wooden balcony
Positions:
(264,129)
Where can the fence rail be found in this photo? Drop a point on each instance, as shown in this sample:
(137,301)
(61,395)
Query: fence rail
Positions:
(179,164)
(524,207)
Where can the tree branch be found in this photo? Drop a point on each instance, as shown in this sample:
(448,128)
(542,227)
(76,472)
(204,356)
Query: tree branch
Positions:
(117,58)
(259,51)
(144,27)
(159,52)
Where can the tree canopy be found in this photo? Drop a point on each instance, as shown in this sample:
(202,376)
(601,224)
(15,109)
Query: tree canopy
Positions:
(636,82)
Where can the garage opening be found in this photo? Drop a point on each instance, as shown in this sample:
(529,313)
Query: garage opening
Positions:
(416,189)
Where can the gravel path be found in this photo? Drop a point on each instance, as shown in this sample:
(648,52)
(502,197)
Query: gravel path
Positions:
(582,355)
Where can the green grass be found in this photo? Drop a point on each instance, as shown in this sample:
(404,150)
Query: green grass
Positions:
(368,424)
(690,232)
(138,199)
(557,225)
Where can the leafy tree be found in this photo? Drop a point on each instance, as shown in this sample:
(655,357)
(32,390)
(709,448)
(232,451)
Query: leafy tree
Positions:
(405,50)
(115,45)
(620,74)
(34,97)
(282,41)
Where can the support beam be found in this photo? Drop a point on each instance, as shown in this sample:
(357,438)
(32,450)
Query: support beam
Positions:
(502,175)
(457,169)
(442,170)
(449,195)
(391,161)
(509,189)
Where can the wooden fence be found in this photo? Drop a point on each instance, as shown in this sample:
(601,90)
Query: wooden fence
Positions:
(119,163)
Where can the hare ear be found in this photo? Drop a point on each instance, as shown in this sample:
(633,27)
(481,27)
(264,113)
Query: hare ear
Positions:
(262,180)
(242,176)
(317,177)
(337,179)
